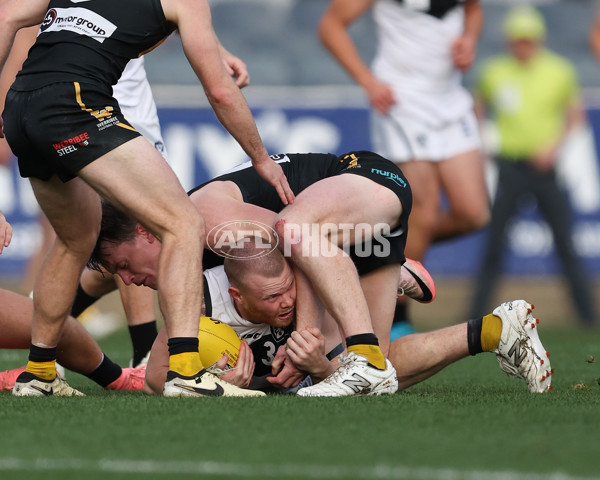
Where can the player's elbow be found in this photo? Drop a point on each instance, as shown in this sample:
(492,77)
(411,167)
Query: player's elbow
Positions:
(7,21)
(325,28)
(151,387)
(322,30)
(220,96)
(12,18)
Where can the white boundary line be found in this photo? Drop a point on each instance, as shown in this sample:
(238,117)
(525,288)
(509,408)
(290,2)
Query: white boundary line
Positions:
(271,470)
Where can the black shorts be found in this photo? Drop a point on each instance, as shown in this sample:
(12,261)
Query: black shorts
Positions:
(304,169)
(390,249)
(61,128)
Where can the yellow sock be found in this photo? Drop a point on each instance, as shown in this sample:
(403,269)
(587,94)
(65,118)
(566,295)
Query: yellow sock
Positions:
(370,352)
(43,370)
(491,328)
(186,363)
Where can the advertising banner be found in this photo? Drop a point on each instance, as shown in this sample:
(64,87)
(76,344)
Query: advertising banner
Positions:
(199,148)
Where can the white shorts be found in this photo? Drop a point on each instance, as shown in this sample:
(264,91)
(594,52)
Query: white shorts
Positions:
(135,98)
(412,133)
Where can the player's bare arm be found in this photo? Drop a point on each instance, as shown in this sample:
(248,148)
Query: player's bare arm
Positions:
(14,15)
(193,20)
(334,35)
(464,48)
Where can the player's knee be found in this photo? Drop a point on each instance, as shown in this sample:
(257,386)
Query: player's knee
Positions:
(148,390)
(153,384)
(77,246)
(199,226)
(474,219)
(188,225)
(292,234)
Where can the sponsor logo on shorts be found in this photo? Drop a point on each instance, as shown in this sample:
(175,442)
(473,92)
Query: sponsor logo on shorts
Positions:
(353,161)
(78,20)
(64,147)
(421,139)
(109,122)
(394,177)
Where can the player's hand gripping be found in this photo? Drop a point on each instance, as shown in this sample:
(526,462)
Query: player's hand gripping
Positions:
(272,172)
(307,350)
(285,373)
(241,374)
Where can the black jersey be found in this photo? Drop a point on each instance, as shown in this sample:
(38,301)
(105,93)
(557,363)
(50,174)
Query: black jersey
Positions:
(304,169)
(300,169)
(91,41)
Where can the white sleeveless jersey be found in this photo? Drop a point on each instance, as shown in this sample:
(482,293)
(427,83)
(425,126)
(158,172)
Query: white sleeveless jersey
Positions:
(414,47)
(263,339)
(134,95)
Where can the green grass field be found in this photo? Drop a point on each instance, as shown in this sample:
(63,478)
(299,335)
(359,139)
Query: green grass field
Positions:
(468,422)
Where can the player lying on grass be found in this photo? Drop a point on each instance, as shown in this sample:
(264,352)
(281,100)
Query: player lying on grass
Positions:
(255,293)
(258,302)
(263,333)
(240,196)
(360,189)
(77,350)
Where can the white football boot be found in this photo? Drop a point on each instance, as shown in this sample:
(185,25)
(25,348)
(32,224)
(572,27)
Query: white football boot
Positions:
(28,385)
(142,363)
(204,384)
(355,376)
(520,352)
(416,282)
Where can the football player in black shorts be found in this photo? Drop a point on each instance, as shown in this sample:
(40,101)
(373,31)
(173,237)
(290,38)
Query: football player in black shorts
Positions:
(265,294)
(361,192)
(71,139)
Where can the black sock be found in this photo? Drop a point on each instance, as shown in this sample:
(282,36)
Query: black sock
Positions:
(142,338)
(105,373)
(39,354)
(362,339)
(401,313)
(474,335)
(179,345)
(82,301)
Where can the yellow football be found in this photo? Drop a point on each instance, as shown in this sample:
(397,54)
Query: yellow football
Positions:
(216,339)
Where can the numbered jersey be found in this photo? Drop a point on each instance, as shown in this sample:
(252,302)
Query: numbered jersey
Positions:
(264,340)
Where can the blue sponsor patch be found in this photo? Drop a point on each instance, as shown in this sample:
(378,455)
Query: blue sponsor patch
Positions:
(394,177)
